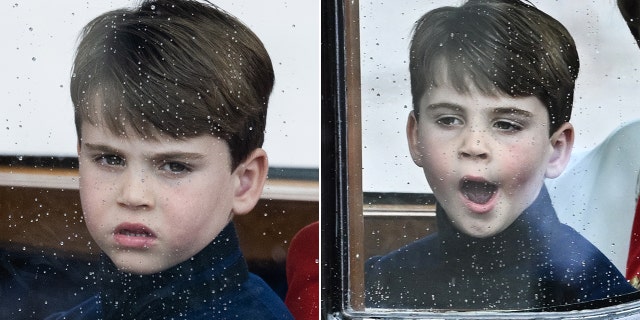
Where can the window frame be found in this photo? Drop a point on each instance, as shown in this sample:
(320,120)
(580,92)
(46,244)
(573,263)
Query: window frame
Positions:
(342,196)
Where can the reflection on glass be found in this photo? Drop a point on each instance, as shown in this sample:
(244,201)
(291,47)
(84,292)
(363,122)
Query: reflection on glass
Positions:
(492,84)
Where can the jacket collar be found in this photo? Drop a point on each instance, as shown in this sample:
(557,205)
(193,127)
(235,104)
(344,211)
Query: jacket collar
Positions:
(217,269)
(525,239)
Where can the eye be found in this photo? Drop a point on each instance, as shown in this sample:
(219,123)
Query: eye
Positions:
(175,167)
(506,125)
(449,121)
(109,160)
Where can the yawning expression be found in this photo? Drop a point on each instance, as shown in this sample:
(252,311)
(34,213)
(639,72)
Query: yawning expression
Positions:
(484,156)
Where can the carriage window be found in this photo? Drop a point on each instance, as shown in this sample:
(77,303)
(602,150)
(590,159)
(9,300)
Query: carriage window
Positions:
(449,203)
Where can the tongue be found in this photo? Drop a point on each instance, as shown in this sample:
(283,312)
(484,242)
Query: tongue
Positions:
(478,192)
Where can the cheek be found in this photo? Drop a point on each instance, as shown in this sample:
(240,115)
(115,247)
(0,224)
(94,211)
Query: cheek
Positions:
(522,162)
(92,195)
(204,208)
(194,224)
(438,169)
(93,210)
(438,157)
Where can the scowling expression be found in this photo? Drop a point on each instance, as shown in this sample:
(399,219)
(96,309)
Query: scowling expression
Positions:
(151,204)
(485,156)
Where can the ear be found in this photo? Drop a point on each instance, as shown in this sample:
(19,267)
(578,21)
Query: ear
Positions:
(413,139)
(561,144)
(250,176)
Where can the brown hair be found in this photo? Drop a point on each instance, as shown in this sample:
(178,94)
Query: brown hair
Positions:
(499,47)
(177,68)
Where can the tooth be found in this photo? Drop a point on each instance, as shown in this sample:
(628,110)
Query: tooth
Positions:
(133,234)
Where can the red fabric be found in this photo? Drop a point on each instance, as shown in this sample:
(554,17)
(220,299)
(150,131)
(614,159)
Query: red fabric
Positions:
(303,269)
(633,261)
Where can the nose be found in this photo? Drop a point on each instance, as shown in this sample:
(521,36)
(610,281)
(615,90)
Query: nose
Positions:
(135,190)
(474,145)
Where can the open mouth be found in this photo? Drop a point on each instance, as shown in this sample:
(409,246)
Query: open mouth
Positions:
(134,236)
(132,233)
(478,191)
(134,230)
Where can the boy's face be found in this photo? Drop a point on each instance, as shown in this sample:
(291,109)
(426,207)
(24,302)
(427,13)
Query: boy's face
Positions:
(151,204)
(485,157)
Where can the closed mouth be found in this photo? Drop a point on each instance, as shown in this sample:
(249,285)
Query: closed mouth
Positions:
(478,191)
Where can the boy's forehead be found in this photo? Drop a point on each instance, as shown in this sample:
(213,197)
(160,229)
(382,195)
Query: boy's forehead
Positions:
(126,131)
(96,133)
(111,118)
(143,118)
(464,81)
(467,86)
(447,96)
(467,75)
(445,72)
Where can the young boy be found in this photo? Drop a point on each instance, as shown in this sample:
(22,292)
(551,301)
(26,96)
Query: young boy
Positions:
(170,105)
(492,85)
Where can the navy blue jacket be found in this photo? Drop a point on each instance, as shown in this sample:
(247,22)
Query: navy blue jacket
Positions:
(536,262)
(214,284)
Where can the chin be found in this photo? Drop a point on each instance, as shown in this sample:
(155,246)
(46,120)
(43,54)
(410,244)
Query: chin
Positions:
(481,231)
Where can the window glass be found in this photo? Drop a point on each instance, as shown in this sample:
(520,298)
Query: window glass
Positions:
(598,185)
(49,261)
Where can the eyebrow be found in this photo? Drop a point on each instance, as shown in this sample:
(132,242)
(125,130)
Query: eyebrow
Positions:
(443,105)
(156,156)
(177,155)
(100,147)
(513,111)
(500,111)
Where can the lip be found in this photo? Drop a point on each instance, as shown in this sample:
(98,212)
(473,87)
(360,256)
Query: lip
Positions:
(475,207)
(134,236)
